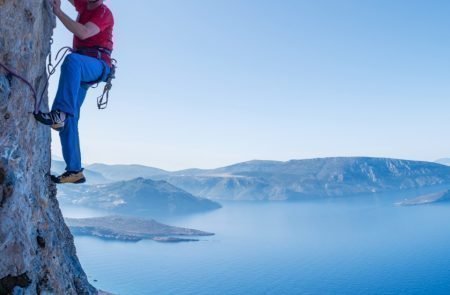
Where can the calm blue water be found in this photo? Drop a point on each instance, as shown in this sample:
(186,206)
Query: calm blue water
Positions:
(340,247)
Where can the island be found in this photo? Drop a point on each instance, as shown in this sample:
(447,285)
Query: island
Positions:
(439,197)
(131,229)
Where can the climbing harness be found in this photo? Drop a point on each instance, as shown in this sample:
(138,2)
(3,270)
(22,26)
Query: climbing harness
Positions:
(102,100)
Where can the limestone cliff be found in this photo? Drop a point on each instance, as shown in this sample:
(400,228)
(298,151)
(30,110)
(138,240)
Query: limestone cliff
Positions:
(37,253)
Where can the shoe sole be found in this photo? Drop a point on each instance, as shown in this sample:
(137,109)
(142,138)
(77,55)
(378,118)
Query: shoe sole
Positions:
(82,180)
(42,121)
(58,127)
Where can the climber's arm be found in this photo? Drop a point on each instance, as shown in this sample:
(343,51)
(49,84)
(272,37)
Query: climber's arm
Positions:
(81,31)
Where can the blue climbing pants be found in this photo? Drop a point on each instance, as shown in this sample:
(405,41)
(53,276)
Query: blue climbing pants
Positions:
(76,71)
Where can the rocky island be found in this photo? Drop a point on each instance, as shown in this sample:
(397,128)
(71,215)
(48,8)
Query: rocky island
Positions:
(439,197)
(132,229)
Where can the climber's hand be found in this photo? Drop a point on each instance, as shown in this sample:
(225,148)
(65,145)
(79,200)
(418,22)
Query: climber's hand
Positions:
(56,6)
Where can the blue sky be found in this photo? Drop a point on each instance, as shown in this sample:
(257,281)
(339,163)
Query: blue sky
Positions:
(206,83)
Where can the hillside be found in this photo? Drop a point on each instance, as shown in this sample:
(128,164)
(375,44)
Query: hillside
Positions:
(443,161)
(139,196)
(125,172)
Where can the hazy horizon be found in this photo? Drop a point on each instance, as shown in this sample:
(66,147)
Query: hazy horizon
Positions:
(59,158)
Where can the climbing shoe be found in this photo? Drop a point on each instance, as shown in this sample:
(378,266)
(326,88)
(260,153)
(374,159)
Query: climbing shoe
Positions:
(70,177)
(54,119)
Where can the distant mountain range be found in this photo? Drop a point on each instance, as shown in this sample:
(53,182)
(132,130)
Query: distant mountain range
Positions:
(125,172)
(292,180)
(299,179)
(141,197)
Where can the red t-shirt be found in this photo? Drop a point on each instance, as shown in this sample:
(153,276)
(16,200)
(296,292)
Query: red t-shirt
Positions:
(103,18)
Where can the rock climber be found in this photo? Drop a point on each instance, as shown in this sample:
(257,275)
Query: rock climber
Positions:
(90,62)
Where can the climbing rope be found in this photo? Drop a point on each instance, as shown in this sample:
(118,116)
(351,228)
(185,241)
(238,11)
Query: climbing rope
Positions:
(51,70)
(11,72)
(102,100)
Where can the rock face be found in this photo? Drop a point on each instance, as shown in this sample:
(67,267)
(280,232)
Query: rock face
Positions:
(37,253)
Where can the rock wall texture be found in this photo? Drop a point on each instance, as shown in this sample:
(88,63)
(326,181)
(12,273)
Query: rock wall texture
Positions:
(37,253)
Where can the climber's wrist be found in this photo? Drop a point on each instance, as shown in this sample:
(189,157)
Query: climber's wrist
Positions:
(58,12)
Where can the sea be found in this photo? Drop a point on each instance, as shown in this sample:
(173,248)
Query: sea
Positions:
(364,245)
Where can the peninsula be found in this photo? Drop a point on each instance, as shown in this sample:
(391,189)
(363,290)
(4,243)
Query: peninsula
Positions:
(439,197)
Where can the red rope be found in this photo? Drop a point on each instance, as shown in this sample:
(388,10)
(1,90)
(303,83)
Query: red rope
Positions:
(51,70)
(36,102)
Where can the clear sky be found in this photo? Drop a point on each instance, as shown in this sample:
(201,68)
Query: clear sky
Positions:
(207,83)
